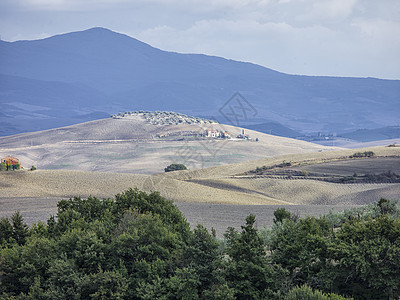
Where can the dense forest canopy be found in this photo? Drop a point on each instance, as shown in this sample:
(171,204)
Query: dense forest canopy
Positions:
(140,246)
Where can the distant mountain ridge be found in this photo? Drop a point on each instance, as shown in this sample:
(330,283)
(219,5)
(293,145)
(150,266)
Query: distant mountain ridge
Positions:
(74,77)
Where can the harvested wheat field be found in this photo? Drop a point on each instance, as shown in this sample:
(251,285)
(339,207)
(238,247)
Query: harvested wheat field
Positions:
(65,184)
(224,184)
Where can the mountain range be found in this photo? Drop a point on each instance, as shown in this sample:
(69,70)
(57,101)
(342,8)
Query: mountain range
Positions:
(81,76)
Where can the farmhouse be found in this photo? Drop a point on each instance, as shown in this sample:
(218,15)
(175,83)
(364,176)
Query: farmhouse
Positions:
(243,136)
(225,134)
(213,133)
(10,162)
(217,133)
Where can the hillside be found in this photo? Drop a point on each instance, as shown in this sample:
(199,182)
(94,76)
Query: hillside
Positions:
(133,144)
(81,76)
(222,184)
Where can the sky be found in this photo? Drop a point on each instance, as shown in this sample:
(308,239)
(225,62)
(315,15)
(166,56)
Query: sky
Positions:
(356,38)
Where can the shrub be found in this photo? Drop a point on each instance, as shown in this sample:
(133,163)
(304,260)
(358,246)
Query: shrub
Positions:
(362,154)
(175,167)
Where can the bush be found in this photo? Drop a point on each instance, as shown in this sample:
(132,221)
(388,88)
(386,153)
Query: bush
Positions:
(362,154)
(175,167)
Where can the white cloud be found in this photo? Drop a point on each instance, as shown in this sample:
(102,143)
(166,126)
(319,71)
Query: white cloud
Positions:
(336,10)
(316,37)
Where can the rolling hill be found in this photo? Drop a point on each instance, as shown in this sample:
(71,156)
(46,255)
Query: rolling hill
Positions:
(217,196)
(132,144)
(220,184)
(90,159)
(81,76)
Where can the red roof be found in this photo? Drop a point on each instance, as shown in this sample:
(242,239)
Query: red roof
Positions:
(10,160)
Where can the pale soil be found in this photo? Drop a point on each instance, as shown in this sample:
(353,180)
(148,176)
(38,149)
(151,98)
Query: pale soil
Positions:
(318,192)
(212,185)
(304,158)
(42,183)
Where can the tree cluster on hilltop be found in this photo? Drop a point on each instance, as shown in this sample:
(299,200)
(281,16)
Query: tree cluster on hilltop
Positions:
(164,117)
(140,246)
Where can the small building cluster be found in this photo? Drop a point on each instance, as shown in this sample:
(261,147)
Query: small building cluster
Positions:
(10,163)
(243,136)
(217,134)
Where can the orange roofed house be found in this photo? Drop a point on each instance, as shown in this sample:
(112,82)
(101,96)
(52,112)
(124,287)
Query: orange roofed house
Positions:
(10,162)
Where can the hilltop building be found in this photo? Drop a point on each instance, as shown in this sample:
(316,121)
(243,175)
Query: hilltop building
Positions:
(225,134)
(217,134)
(213,133)
(243,136)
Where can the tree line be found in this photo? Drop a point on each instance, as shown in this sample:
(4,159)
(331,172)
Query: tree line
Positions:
(140,246)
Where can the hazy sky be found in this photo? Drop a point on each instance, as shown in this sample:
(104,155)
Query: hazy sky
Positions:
(312,37)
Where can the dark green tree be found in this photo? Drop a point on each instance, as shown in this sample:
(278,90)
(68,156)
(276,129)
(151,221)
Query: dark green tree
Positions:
(6,231)
(203,256)
(20,229)
(367,258)
(280,214)
(247,271)
(301,248)
(175,167)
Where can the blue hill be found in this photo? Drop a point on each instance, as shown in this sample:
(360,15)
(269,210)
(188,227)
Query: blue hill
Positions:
(82,75)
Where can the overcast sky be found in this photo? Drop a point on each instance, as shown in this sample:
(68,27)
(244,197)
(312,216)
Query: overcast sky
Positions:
(312,37)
